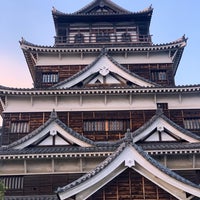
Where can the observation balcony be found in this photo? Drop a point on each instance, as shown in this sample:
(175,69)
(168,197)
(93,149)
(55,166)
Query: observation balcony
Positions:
(100,39)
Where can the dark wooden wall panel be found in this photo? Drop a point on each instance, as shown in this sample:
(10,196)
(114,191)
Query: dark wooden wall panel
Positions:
(134,118)
(144,70)
(46,184)
(131,186)
(192,175)
(64,72)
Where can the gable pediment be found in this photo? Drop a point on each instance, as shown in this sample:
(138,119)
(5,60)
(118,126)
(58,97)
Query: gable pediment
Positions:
(162,129)
(160,135)
(133,157)
(104,71)
(54,138)
(52,133)
(102,6)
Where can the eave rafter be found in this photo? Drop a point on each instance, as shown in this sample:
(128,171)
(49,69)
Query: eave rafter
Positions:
(26,46)
(26,155)
(62,92)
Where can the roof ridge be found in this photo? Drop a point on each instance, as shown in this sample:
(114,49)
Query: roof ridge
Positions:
(102,3)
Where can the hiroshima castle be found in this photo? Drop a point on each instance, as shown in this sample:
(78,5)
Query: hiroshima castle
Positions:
(104,119)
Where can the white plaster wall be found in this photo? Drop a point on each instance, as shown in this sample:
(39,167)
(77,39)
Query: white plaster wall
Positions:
(142,58)
(65,59)
(18,103)
(191,102)
(87,58)
(100,102)
(7,166)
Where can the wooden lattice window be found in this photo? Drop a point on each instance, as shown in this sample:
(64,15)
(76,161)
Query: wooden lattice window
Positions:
(106,125)
(19,127)
(98,125)
(50,77)
(12,182)
(192,123)
(115,125)
(158,75)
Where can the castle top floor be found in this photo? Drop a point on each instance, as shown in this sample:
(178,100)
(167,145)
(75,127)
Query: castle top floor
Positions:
(102,22)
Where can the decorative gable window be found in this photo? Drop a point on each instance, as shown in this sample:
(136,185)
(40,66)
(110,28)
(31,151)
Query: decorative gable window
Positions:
(50,77)
(159,75)
(192,123)
(19,127)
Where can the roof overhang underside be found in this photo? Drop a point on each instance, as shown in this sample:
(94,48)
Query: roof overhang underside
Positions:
(83,18)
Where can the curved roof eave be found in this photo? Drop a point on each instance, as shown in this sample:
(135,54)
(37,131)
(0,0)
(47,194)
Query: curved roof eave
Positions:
(140,90)
(87,178)
(160,114)
(30,48)
(27,46)
(84,11)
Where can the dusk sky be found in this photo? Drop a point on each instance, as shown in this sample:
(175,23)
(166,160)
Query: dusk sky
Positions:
(32,20)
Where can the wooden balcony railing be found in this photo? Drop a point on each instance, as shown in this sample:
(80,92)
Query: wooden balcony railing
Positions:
(80,39)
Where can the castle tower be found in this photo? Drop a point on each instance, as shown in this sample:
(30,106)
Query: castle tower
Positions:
(105,120)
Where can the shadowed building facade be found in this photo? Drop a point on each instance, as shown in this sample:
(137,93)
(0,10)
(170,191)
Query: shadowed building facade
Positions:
(104,120)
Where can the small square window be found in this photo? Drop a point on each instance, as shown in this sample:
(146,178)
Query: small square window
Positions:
(163,106)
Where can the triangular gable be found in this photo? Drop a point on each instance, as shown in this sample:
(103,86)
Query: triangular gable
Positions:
(102,6)
(129,155)
(104,70)
(162,129)
(52,133)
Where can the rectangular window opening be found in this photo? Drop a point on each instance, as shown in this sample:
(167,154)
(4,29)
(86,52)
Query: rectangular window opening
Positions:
(13,183)
(106,125)
(163,106)
(50,77)
(19,127)
(192,123)
(159,75)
